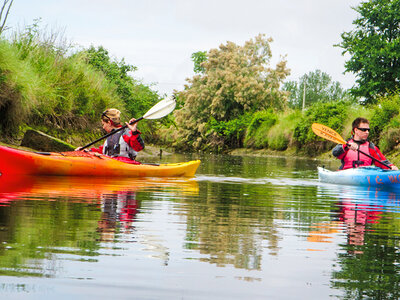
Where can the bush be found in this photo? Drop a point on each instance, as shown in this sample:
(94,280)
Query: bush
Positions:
(331,114)
(278,143)
(280,136)
(256,133)
(390,135)
(230,133)
(384,111)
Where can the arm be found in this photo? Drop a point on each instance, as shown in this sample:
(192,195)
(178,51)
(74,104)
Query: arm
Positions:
(134,140)
(340,151)
(378,155)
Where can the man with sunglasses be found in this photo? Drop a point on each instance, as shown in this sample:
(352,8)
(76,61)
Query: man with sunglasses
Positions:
(349,154)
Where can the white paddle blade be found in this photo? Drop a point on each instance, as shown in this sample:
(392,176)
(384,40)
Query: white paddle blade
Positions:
(161,109)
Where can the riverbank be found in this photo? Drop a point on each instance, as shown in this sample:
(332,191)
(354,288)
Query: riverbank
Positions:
(393,156)
(290,152)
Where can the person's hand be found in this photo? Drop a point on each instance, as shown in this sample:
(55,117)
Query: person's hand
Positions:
(132,127)
(394,168)
(353,146)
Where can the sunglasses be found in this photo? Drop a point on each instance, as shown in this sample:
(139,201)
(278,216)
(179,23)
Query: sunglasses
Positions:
(104,115)
(364,129)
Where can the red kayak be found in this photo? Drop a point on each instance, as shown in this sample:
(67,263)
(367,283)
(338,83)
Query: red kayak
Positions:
(78,163)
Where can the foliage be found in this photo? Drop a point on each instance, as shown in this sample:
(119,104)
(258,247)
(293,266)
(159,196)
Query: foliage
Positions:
(256,134)
(137,96)
(390,138)
(374,47)
(198,58)
(384,111)
(280,136)
(45,85)
(237,80)
(319,88)
(331,114)
(232,131)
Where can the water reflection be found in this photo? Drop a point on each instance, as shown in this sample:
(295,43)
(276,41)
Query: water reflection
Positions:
(368,266)
(45,220)
(243,228)
(118,210)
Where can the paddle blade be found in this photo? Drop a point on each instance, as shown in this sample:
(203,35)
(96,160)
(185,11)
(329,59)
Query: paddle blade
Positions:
(327,133)
(161,109)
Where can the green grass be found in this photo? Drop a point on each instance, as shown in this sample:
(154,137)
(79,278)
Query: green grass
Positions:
(42,86)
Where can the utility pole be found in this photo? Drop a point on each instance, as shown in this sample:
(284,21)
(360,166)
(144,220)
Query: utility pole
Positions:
(304,92)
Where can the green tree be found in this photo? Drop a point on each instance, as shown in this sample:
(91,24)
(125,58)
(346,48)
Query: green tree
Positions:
(374,49)
(137,96)
(198,58)
(237,80)
(319,88)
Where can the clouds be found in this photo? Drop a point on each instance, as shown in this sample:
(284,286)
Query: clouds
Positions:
(159,36)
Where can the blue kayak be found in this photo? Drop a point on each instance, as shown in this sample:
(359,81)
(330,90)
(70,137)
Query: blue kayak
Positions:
(363,176)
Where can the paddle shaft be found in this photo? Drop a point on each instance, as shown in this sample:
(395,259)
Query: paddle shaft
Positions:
(110,133)
(373,158)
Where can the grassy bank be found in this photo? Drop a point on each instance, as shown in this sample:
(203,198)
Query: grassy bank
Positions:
(47,85)
(292,129)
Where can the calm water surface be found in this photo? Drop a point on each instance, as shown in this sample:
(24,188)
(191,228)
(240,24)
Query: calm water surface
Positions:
(243,228)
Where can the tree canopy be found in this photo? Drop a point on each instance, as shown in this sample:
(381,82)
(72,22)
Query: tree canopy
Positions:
(319,87)
(137,96)
(234,81)
(374,47)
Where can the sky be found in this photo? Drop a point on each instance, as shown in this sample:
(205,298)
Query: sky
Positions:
(159,36)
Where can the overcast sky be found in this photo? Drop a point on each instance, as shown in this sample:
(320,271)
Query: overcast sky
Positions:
(159,36)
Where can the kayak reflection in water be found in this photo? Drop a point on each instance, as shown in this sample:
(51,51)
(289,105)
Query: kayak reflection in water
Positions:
(350,154)
(123,145)
(357,217)
(118,210)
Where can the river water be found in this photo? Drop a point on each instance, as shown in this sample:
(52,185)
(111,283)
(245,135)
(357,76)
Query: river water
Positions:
(243,228)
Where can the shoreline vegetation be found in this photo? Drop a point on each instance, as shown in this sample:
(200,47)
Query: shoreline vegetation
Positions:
(236,103)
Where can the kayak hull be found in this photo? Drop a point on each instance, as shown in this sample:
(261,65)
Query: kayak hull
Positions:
(19,162)
(365,176)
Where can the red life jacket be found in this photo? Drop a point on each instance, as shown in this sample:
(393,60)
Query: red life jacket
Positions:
(355,159)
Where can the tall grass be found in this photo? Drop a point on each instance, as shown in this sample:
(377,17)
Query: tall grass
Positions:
(280,136)
(42,85)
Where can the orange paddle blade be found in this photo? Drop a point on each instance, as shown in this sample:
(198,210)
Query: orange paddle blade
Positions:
(327,133)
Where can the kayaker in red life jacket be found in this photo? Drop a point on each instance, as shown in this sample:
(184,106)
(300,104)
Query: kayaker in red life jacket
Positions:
(123,145)
(351,158)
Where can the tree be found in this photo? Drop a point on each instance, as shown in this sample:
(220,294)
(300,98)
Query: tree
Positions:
(237,80)
(198,58)
(374,47)
(319,88)
(137,96)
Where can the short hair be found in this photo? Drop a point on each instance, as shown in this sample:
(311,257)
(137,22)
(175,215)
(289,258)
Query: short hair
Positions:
(113,115)
(358,121)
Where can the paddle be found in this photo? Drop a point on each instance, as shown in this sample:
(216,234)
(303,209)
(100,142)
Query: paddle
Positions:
(161,109)
(331,135)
